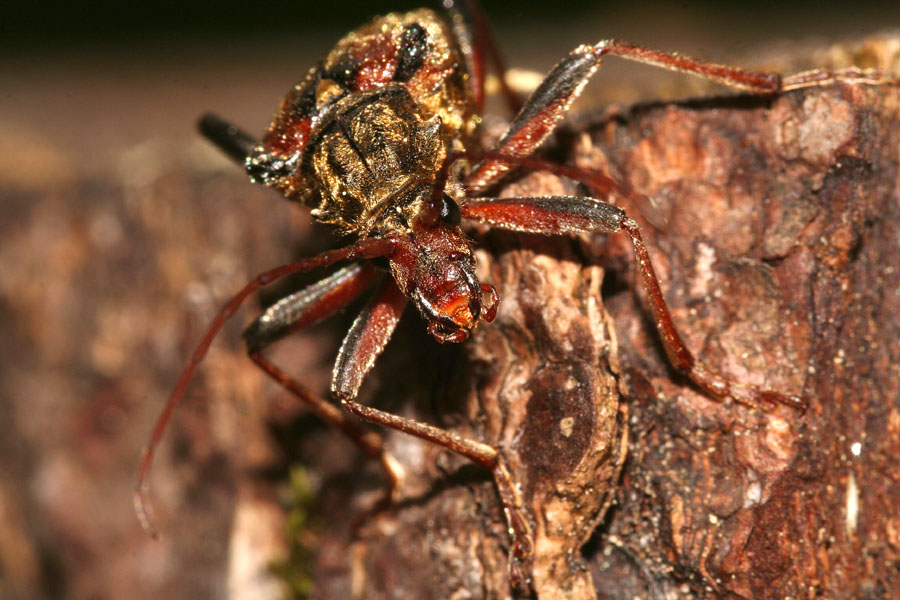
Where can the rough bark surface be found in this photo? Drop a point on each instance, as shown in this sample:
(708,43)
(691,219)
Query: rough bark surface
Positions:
(775,232)
(775,236)
(778,264)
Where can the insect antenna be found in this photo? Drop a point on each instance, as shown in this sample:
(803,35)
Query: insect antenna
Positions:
(229,138)
(368,248)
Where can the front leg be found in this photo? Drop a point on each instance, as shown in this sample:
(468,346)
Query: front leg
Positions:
(567,215)
(299,311)
(365,249)
(364,342)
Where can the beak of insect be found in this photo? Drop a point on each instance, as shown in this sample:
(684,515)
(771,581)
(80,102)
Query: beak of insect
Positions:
(457,318)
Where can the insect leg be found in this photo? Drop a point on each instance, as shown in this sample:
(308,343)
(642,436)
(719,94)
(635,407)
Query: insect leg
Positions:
(369,248)
(476,42)
(362,345)
(820,77)
(550,102)
(364,342)
(304,309)
(555,215)
(548,215)
(308,306)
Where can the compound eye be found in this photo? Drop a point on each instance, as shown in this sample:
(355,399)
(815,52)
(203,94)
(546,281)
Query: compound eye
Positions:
(450,213)
(446,211)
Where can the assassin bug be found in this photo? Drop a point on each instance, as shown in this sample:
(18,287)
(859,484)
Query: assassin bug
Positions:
(381,140)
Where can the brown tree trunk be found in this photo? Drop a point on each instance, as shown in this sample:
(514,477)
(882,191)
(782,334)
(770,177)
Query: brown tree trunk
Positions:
(778,257)
(776,241)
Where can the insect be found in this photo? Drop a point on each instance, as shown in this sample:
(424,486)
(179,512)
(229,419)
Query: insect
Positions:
(381,140)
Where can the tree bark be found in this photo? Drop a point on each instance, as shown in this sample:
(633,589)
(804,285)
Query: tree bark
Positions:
(775,240)
(778,257)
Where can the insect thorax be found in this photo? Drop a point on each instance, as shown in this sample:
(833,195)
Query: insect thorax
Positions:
(373,154)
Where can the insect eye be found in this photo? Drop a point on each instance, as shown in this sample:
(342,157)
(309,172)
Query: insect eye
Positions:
(446,211)
(450,213)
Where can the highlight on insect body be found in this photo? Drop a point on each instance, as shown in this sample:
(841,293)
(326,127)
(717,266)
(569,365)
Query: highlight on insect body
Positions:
(381,140)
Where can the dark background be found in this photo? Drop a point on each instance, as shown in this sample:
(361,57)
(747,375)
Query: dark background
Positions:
(63,23)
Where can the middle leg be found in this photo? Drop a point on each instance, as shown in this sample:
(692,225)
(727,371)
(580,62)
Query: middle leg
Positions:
(567,215)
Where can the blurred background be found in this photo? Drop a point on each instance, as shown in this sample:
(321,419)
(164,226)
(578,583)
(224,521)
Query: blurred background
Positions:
(121,233)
